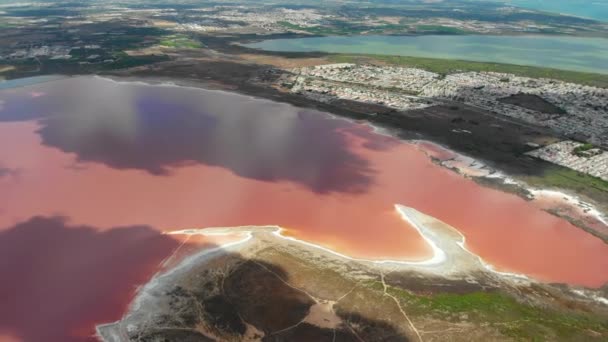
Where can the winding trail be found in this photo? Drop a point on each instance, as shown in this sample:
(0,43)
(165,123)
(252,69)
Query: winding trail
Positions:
(411,324)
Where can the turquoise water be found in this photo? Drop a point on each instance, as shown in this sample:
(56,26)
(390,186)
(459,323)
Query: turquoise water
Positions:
(22,82)
(568,53)
(595,9)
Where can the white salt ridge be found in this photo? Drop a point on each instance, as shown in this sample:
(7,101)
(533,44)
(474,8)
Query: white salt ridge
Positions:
(431,237)
(583,207)
(592,296)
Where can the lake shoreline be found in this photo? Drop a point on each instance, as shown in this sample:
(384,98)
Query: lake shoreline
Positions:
(507,49)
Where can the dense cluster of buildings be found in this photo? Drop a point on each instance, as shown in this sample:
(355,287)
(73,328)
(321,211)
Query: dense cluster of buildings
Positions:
(275,19)
(583,110)
(346,81)
(570,109)
(57,52)
(593,161)
(52,51)
(193,27)
(222,18)
(479,26)
(268,18)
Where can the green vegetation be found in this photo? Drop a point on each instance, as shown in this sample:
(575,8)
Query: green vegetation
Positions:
(123,60)
(555,176)
(564,178)
(180,42)
(440,29)
(502,312)
(291,26)
(583,147)
(83,53)
(448,66)
(338,28)
(580,150)
(117,60)
(128,38)
(323,30)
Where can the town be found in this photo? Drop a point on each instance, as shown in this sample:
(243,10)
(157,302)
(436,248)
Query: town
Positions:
(577,156)
(574,111)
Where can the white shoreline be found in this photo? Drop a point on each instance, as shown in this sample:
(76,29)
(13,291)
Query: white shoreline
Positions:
(573,201)
(431,237)
(383,131)
(593,297)
(140,293)
(408,214)
(439,255)
(585,208)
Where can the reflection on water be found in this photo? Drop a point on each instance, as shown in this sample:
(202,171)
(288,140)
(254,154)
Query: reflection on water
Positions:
(59,280)
(155,158)
(154,129)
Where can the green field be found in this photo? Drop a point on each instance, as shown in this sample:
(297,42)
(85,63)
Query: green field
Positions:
(510,317)
(449,66)
(125,61)
(440,29)
(180,42)
(324,30)
(580,150)
(564,178)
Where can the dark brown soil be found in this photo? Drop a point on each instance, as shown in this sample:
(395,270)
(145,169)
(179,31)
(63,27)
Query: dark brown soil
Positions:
(221,314)
(307,332)
(533,102)
(264,300)
(171,335)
